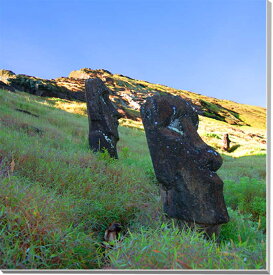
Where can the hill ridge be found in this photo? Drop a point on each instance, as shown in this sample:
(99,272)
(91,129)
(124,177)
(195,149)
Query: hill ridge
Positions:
(129,93)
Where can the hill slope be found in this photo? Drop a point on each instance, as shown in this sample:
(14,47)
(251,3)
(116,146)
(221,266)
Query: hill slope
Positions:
(245,124)
(57,197)
(128,94)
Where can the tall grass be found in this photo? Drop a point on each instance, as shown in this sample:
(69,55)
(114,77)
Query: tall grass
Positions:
(57,198)
(168,247)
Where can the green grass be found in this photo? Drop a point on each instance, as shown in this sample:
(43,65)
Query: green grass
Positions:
(248,197)
(57,198)
(167,247)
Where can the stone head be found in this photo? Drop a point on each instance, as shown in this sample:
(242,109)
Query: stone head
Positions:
(184,164)
(102,112)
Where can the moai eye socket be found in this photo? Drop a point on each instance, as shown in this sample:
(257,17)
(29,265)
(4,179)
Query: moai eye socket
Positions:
(176,126)
(175,123)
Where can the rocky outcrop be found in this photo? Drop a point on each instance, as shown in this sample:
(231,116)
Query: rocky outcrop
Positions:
(5,75)
(184,164)
(129,93)
(103,118)
(87,73)
(72,84)
(4,86)
(39,86)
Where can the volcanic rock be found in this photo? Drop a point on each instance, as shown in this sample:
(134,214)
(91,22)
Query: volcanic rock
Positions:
(4,86)
(103,117)
(184,164)
(5,75)
(87,73)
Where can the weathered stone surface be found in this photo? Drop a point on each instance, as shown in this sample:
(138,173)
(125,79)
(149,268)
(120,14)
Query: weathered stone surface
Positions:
(103,117)
(184,164)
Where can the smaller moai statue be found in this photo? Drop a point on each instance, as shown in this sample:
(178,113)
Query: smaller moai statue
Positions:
(226,143)
(103,118)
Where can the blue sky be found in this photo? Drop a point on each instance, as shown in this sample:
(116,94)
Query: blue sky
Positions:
(212,47)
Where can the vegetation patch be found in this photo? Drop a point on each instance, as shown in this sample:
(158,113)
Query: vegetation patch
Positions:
(217,111)
(57,197)
(167,247)
(248,196)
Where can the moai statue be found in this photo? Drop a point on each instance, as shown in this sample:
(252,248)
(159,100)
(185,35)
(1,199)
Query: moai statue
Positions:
(226,142)
(184,164)
(103,118)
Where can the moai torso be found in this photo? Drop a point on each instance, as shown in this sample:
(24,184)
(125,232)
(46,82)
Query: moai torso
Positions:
(184,164)
(103,118)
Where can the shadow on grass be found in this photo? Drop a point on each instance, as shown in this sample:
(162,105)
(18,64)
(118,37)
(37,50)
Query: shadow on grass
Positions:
(233,148)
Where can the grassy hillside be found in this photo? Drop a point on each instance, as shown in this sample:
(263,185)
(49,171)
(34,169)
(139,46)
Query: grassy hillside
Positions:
(57,197)
(129,93)
(223,110)
(245,140)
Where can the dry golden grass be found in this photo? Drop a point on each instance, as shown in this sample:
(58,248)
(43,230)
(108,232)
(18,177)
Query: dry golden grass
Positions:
(74,107)
(211,130)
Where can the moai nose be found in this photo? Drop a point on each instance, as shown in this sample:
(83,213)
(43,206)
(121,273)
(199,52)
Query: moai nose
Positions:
(210,158)
(206,155)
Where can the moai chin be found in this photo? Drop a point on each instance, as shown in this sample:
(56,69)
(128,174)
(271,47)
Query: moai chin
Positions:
(184,164)
(102,116)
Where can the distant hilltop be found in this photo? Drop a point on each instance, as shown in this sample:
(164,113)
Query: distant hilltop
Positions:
(129,93)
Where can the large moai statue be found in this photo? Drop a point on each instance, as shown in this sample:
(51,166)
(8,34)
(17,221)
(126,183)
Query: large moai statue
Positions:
(103,118)
(184,164)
